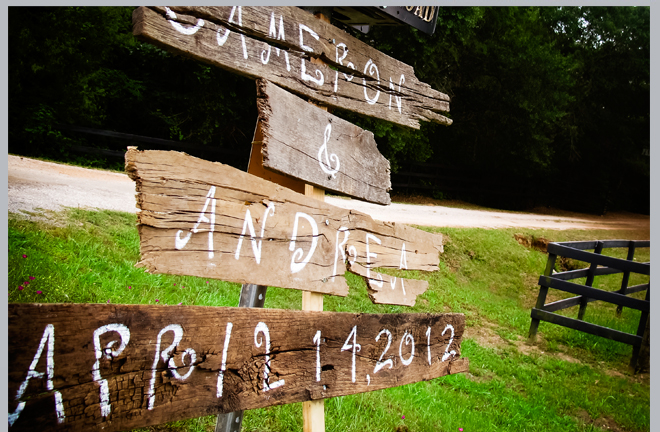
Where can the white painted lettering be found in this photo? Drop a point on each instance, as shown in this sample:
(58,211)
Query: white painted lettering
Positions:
(297,255)
(428,343)
(317,340)
(47,340)
(408,338)
(397,99)
(171,16)
(223,367)
(222,39)
(247,225)
(180,243)
(352,251)
(173,368)
(273,33)
(340,61)
(263,328)
(165,355)
(303,74)
(448,353)
(323,151)
(381,364)
(371,66)
(108,353)
(340,249)
(373,255)
(352,346)
(403,263)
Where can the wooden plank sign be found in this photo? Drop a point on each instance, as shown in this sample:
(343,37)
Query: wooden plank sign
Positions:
(277,43)
(207,219)
(80,367)
(308,143)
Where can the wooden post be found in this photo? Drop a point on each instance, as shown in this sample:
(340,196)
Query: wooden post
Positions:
(589,282)
(641,329)
(626,276)
(314,411)
(540,301)
(642,363)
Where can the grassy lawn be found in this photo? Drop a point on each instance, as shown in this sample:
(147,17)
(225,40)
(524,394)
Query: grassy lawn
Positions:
(568,381)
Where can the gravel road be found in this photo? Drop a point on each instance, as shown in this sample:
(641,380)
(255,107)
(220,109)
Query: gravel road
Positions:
(35,184)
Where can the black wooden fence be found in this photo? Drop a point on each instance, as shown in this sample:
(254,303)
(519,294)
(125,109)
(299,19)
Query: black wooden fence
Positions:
(119,141)
(599,265)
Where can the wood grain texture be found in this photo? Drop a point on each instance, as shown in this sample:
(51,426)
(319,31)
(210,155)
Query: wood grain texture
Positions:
(277,43)
(118,367)
(308,143)
(194,220)
(256,166)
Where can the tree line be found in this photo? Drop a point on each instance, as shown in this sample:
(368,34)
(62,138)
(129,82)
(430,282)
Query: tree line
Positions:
(554,100)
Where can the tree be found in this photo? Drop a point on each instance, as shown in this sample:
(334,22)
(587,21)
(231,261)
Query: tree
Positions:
(82,66)
(607,136)
(539,97)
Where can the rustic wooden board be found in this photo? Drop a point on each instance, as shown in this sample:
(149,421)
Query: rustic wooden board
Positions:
(193,221)
(81,367)
(277,43)
(386,289)
(308,143)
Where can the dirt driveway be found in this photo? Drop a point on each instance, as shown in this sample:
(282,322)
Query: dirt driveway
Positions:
(35,184)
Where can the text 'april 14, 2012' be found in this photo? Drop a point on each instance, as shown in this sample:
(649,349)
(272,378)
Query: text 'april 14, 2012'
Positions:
(79,366)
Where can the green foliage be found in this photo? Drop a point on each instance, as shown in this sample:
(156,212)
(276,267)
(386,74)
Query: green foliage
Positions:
(82,66)
(608,126)
(537,93)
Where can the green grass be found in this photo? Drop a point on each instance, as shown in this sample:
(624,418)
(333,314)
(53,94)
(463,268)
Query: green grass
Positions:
(569,381)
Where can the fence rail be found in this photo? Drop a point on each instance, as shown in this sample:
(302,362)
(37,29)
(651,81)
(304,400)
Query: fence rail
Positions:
(587,294)
(121,140)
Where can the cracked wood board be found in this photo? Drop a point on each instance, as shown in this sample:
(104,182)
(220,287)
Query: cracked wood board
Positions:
(387,289)
(119,367)
(277,43)
(207,219)
(308,143)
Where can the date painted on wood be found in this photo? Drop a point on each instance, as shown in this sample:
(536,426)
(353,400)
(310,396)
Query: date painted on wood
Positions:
(117,367)
(207,219)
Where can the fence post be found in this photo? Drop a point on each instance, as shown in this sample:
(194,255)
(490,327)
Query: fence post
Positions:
(540,301)
(643,325)
(626,276)
(590,281)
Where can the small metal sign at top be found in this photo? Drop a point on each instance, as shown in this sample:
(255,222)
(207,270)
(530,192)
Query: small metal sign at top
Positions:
(423,18)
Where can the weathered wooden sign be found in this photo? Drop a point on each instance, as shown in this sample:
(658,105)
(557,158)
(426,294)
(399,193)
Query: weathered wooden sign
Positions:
(277,43)
(82,367)
(310,144)
(207,219)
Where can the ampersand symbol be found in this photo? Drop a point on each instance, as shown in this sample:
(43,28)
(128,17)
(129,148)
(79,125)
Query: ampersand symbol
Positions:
(323,151)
